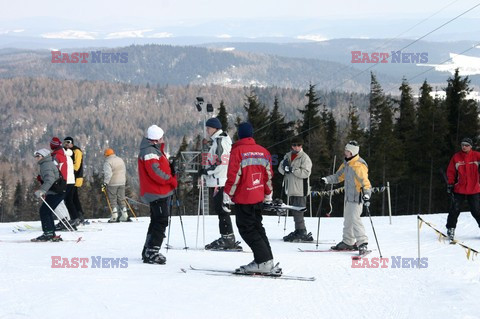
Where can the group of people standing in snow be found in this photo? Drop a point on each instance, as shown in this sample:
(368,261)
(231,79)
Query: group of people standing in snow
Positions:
(61,176)
(243,183)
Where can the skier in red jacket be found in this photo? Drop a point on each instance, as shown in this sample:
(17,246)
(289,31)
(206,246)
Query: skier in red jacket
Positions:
(463,182)
(157,185)
(249,183)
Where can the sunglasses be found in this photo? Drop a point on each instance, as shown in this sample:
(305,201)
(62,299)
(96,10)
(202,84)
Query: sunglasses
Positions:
(466,145)
(296,144)
(38,155)
(67,142)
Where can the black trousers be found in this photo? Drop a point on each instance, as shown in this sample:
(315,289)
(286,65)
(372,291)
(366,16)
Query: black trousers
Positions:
(249,223)
(72,210)
(76,202)
(224,220)
(46,214)
(473,202)
(158,222)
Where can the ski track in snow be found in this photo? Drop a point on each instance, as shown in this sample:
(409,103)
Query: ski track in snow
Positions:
(448,288)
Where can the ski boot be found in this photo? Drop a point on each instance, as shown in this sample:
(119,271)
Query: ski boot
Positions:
(298,235)
(114,218)
(50,236)
(363,248)
(451,234)
(225,242)
(124,217)
(342,246)
(153,256)
(265,268)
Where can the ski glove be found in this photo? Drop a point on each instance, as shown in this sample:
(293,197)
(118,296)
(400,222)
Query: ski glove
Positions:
(104,186)
(324,180)
(449,189)
(227,201)
(268,199)
(366,200)
(40,193)
(286,167)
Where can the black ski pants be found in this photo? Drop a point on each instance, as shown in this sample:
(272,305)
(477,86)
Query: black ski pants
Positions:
(158,222)
(473,202)
(76,201)
(224,220)
(72,209)
(249,223)
(46,214)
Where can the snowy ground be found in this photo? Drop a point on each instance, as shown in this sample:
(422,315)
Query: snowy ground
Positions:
(447,288)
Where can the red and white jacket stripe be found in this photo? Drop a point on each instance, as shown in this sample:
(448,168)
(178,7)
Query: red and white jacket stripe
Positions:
(249,176)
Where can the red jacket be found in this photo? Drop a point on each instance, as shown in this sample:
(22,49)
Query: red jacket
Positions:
(156,180)
(60,159)
(249,176)
(463,172)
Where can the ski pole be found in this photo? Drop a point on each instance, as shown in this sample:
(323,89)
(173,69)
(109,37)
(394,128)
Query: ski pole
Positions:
(130,207)
(108,201)
(319,214)
(331,188)
(373,228)
(180,216)
(45,202)
(169,222)
(136,201)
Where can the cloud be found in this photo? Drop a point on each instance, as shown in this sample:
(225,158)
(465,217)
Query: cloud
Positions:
(224,36)
(70,34)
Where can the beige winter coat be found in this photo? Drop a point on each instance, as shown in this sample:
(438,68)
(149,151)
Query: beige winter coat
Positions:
(114,171)
(297,182)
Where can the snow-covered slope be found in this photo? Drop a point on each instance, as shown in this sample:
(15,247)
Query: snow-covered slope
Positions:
(447,288)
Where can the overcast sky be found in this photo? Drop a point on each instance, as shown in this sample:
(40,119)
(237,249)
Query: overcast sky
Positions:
(182,11)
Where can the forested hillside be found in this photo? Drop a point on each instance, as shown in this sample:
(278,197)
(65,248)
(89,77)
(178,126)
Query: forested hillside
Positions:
(176,65)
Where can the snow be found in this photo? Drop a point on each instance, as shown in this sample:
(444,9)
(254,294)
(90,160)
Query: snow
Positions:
(447,288)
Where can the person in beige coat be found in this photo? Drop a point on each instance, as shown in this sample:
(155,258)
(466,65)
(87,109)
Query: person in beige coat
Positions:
(296,168)
(114,180)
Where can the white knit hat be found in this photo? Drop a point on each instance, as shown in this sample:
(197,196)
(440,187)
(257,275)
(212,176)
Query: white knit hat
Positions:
(154,133)
(352,147)
(43,152)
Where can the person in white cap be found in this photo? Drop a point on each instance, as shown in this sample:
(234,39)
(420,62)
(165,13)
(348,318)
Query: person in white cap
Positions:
(354,173)
(157,185)
(51,192)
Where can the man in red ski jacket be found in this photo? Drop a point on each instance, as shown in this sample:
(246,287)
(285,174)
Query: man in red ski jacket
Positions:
(463,182)
(157,185)
(249,183)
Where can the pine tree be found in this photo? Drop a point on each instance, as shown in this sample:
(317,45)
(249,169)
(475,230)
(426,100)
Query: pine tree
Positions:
(311,118)
(430,138)
(405,129)
(222,116)
(257,115)
(280,133)
(354,131)
(462,114)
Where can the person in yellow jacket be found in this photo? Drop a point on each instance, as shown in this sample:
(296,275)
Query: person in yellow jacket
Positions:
(77,158)
(354,173)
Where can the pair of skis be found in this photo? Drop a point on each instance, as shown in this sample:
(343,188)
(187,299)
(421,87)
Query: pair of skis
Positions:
(222,272)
